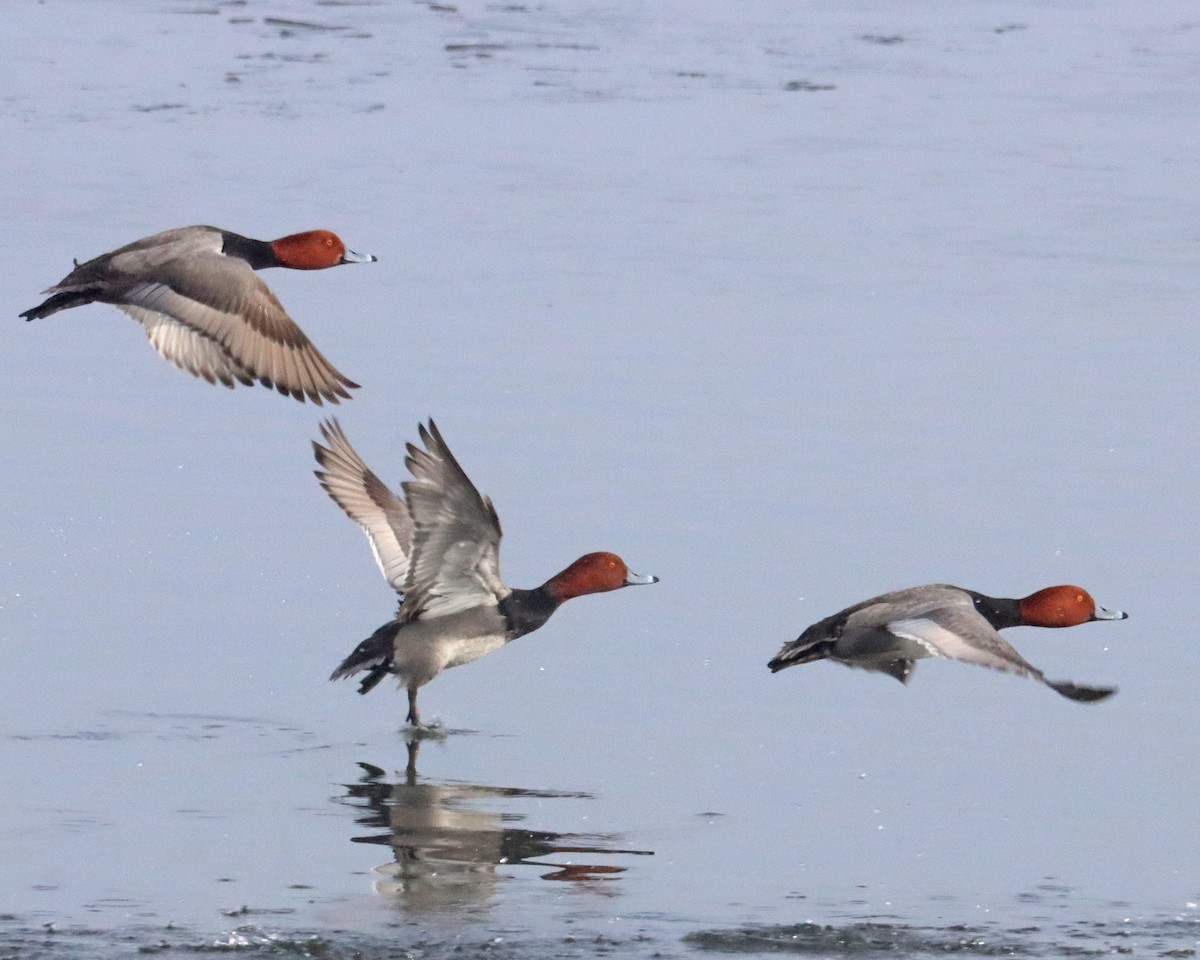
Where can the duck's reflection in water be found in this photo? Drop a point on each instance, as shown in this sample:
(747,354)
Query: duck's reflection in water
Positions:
(449,837)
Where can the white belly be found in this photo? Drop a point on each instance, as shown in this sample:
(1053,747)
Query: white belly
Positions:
(424,648)
(472,648)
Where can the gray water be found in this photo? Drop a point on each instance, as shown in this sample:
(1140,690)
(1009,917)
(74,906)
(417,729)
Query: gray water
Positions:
(789,304)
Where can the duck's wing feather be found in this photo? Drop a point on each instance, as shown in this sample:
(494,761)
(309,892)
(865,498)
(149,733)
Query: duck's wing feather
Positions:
(1080,693)
(368,501)
(455,559)
(190,350)
(252,327)
(961,634)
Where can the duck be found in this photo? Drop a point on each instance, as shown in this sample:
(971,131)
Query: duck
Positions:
(196,293)
(438,546)
(890,632)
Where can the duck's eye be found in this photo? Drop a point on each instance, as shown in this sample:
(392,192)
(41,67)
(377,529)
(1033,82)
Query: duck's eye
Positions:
(1079,598)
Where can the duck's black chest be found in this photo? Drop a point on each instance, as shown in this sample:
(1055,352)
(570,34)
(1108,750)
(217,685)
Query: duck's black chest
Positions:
(526,610)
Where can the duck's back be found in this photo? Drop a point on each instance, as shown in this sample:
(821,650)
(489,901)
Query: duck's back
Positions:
(144,258)
(912,602)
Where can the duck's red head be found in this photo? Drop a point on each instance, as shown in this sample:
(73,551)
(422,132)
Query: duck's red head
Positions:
(594,573)
(1064,606)
(315,250)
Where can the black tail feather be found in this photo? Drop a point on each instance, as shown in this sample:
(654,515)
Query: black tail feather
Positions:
(373,654)
(800,651)
(60,301)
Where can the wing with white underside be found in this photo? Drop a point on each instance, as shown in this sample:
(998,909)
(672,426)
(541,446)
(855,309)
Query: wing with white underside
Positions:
(190,350)
(368,501)
(963,635)
(252,329)
(455,560)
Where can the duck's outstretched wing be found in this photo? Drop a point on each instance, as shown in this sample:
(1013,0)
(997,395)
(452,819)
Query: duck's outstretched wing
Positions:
(251,326)
(1075,691)
(368,501)
(961,634)
(966,636)
(189,350)
(455,560)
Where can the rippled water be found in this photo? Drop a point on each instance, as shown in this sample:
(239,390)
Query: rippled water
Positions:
(789,304)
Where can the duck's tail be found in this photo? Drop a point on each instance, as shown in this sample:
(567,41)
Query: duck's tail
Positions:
(63,300)
(798,652)
(373,654)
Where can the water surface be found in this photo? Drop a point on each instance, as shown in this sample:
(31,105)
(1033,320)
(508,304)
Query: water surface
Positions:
(788,304)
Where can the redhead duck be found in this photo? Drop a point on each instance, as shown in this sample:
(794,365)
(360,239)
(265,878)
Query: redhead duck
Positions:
(439,548)
(889,632)
(195,291)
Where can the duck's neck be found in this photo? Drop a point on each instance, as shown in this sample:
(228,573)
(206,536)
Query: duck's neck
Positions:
(526,610)
(1000,612)
(258,253)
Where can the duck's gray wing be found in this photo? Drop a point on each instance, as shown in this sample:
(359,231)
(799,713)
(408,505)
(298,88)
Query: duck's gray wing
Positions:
(227,303)
(189,350)
(961,634)
(455,559)
(367,500)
